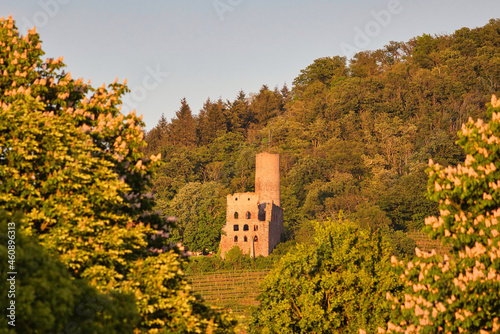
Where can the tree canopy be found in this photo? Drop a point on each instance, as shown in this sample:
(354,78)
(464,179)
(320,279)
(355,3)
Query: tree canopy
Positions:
(336,284)
(354,137)
(459,292)
(74,166)
(47,299)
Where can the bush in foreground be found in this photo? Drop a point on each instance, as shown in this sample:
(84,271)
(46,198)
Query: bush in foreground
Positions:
(460,293)
(46,299)
(335,285)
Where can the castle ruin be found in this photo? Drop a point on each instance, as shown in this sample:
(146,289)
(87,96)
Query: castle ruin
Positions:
(254,221)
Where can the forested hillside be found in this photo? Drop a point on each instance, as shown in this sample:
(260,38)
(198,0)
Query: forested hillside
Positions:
(354,136)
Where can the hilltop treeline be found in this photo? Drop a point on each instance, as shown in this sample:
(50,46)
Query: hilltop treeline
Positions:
(353,135)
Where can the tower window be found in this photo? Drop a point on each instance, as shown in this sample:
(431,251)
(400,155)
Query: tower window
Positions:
(248,215)
(255,239)
(236,215)
(245,227)
(256,227)
(236,227)
(245,239)
(235,238)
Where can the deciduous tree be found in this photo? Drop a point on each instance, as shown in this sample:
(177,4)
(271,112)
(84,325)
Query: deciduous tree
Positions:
(459,293)
(46,298)
(73,165)
(335,285)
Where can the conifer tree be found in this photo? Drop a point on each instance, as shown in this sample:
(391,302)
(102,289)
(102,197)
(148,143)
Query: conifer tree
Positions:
(266,104)
(183,127)
(211,121)
(239,113)
(157,137)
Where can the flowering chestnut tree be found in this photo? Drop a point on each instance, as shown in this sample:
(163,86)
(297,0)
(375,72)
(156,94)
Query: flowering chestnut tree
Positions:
(459,293)
(72,164)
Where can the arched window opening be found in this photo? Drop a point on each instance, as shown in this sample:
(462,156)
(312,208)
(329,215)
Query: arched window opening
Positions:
(245,239)
(256,227)
(248,215)
(236,227)
(236,215)
(255,239)
(245,227)
(235,238)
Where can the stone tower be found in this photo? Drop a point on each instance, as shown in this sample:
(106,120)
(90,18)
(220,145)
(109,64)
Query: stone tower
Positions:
(267,177)
(254,221)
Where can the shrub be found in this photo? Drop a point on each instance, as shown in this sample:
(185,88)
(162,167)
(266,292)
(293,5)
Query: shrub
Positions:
(335,285)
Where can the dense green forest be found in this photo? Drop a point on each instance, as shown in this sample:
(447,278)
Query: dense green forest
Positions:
(354,135)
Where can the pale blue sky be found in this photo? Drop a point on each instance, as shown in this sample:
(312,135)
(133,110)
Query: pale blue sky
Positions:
(214,48)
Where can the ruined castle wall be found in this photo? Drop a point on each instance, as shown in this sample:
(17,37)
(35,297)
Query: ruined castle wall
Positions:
(275,227)
(244,230)
(254,221)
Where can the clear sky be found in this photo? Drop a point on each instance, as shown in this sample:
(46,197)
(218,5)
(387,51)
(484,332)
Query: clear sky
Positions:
(199,49)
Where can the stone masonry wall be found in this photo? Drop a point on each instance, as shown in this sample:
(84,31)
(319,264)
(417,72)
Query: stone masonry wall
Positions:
(267,177)
(254,221)
(251,234)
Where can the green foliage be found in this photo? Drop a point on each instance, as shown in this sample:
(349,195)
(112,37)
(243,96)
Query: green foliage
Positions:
(203,264)
(371,217)
(405,203)
(200,212)
(45,158)
(48,300)
(353,136)
(266,105)
(183,128)
(322,70)
(164,298)
(336,284)
(73,165)
(403,247)
(459,294)
(235,260)
(76,173)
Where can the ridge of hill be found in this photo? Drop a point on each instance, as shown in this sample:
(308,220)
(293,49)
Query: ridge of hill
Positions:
(354,136)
